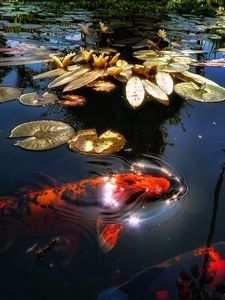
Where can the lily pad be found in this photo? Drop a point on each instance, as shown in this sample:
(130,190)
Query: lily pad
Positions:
(42,135)
(84,80)
(154,91)
(33,99)
(8,93)
(135,92)
(174,68)
(87,142)
(51,73)
(204,93)
(68,77)
(165,82)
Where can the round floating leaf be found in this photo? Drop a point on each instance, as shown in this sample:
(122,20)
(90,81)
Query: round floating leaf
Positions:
(165,82)
(174,68)
(8,93)
(102,86)
(204,93)
(33,99)
(42,135)
(135,92)
(72,100)
(189,76)
(87,142)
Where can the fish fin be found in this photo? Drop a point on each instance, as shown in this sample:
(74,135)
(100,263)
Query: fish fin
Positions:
(72,247)
(108,234)
(41,181)
(45,180)
(6,243)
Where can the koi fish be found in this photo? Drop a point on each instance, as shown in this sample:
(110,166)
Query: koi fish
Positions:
(198,274)
(54,208)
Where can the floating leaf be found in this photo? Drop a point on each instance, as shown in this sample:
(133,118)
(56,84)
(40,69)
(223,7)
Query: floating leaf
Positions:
(8,93)
(42,135)
(33,99)
(135,92)
(51,73)
(72,100)
(154,91)
(189,76)
(87,142)
(165,82)
(84,80)
(204,93)
(68,77)
(174,68)
(102,86)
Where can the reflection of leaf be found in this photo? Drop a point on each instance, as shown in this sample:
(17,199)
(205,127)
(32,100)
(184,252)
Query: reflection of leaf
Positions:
(84,80)
(154,91)
(205,93)
(135,92)
(33,99)
(72,100)
(102,86)
(165,82)
(87,142)
(8,93)
(42,135)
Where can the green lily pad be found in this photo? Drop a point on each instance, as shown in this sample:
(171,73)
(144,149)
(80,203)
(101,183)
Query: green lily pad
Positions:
(8,93)
(174,68)
(42,135)
(204,93)
(87,142)
(33,99)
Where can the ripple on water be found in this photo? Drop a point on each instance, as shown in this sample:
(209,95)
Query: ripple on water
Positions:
(137,214)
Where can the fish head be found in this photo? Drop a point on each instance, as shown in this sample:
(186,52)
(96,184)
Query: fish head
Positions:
(123,189)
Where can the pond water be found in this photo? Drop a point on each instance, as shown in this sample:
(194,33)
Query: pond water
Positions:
(187,137)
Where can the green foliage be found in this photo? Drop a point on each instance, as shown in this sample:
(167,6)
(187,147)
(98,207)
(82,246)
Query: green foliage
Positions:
(190,6)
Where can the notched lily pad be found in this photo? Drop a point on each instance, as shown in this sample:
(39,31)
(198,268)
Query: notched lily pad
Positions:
(87,142)
(33,99)
(203,93)
(42,135)
(8,93)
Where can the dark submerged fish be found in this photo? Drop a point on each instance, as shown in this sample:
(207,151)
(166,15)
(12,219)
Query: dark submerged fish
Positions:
(195,275)
(64,208)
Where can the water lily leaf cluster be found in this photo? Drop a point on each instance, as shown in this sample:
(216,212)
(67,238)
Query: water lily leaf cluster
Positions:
(48,134)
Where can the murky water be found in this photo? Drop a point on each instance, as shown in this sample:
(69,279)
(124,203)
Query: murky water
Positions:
(187,138)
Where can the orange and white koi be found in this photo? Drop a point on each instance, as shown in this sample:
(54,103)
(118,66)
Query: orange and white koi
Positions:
(62,208)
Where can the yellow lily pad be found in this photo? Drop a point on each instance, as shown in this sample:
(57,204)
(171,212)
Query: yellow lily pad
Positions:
(135,92)
(87,142)
(42,135)
(155,91)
